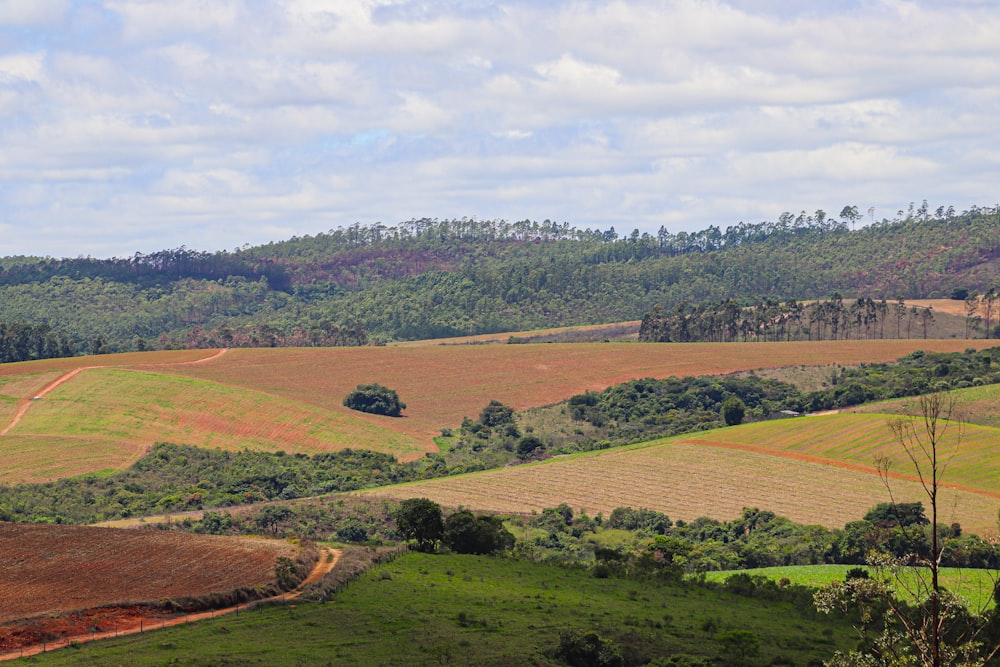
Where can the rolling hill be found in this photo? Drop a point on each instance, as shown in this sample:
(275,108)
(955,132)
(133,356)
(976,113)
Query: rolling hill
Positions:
(113,407)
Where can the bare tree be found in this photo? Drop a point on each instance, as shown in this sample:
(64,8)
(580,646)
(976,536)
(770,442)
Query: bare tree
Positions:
(932,627)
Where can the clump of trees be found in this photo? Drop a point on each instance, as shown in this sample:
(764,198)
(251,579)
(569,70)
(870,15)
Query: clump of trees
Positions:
(23,341)
(769,319)
(650,407)
(463,532)
(375,399)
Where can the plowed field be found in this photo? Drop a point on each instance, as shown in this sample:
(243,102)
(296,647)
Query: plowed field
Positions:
(442,384)
(53,569)
(715,474)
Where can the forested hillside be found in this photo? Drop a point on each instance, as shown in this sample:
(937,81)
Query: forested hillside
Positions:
(435,278)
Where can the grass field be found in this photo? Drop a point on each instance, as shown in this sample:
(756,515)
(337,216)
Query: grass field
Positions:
(433,610)
(47,569)
(975,586)
(976,405)
(116,414)
(860,438)
(712,473)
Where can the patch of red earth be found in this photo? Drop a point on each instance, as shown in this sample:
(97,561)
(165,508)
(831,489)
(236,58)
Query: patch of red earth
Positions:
(83,623)
(32,636)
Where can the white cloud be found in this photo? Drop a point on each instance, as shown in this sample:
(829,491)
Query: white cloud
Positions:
(27,13)
(215,123)
(21,67)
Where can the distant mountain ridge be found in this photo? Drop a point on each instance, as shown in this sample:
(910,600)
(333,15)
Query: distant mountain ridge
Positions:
(433,278)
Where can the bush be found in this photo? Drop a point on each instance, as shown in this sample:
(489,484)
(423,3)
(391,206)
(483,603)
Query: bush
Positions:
(527,446)
(375,399)
(496,414)
(465,533)
(733,411)
(588,649)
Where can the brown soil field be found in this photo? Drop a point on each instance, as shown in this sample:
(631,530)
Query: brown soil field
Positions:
(47,569)
(687,478)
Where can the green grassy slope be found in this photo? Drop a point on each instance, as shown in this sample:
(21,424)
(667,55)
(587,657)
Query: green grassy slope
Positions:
(975,586)
(431,610)
(116,414)
(975,405)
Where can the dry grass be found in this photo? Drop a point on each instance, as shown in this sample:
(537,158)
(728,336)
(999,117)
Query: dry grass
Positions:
(53,569)
(616,330)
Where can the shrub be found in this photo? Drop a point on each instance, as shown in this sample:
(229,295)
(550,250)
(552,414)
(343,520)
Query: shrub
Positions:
(375,399)
(527,446)
(588,649)
(733,411)
(496,414)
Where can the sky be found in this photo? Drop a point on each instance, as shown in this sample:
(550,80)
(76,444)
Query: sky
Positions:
(140,125)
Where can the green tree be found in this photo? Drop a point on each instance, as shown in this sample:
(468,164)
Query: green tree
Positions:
(588,649)
(739,646)
(375,399)
(271,516)
(465,533)
(420,519)
(496,414)
(733,411)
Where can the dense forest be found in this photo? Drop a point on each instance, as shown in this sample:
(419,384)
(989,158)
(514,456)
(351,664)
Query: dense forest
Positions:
(426,278)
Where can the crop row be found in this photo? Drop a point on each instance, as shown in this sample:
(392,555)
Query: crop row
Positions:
(686,481)
(48,569)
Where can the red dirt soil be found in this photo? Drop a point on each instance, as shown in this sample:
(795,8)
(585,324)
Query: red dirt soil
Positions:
(47,569)
(33,636)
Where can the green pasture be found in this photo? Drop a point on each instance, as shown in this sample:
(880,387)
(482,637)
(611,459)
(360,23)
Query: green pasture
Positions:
(974,405)
(975,586)
(117,409)
(861,438)
(433,610)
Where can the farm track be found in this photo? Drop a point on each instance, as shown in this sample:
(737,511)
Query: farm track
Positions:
(324,565)
(25,403)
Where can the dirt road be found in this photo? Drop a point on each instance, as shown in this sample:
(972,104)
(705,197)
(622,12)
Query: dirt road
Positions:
(25,403)
(327,561)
